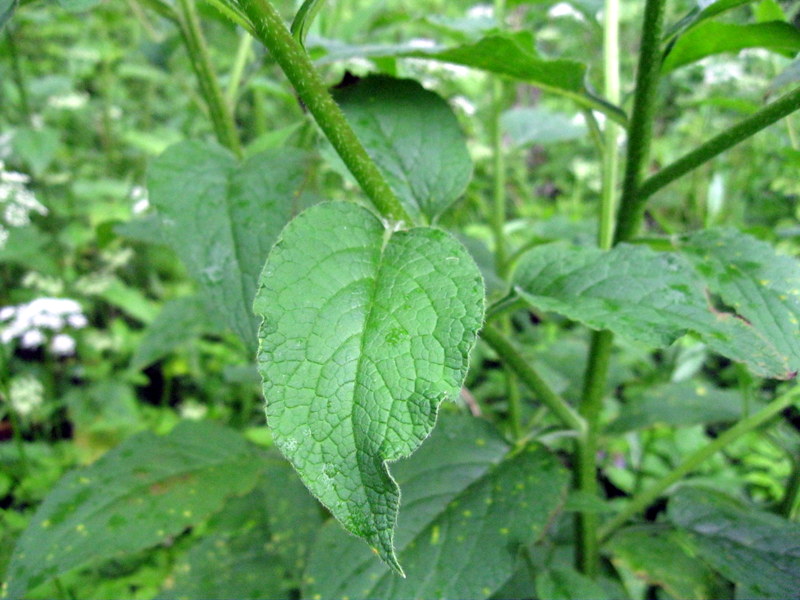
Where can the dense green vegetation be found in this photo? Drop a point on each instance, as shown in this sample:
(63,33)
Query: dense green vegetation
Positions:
(518,283)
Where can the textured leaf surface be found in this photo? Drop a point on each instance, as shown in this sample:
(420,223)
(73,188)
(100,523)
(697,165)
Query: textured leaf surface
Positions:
(677,404)
(137,495)
(256,546)
(511,55)
(364,334)
(645,296)
(222,217)
(712,37)
(751,548)
(465,513)
(414,137)
(540,126)
(761,285)
(657,555)
(561,583)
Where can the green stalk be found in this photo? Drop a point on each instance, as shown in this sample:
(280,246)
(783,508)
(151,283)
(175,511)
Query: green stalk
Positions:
(528,375)
(612,94)
(498,216)
(239,63)
(694,460)
(221,117)
(640,130)
(270,29)
(792,493)
(782,107)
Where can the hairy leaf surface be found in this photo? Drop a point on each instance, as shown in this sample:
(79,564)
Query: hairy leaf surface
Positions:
(145,490)
(757,550)
(222,217)
(648,297)
(414,138)
(465,513)
(365,332)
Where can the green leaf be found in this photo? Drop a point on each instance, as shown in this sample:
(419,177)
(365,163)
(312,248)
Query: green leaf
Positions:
(762,286)
(414,138)
(179,321)
(655,553)
(222,217)
(36,147)
(751,548)
(144,491)
(511,55)
(255,546)
(304,18)
(562,583)
(465,514)
(648,297)
(539,125)
(703,11)
(711,37)
(364,333)
(78,5)
(676,405)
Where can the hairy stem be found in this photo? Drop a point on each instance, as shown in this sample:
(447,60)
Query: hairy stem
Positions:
(640,130)
(270,29)
(748,127)
(239,64)
(698,457)
(528,375)
(221,117)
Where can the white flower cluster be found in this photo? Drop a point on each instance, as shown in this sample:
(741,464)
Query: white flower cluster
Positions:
(26,394)
(17,202)
(31,323)
(141,202)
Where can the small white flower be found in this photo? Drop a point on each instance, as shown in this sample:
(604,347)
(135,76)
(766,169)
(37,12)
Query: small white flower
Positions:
(565,9)
(192,410)
(465,105)
(15,215)
(71,101)
(481,11)
(77,321)
(422,43)
(62,345)
(26,394)
(33,338)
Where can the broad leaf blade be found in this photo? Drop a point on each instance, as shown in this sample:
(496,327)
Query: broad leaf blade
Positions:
(362,338)
(538,125)
(677,404)
(147,489)
(222,218)
(560,583)
(414,138)
(465,513)
(760,284)
(644,296)
(711,37)
(751,548)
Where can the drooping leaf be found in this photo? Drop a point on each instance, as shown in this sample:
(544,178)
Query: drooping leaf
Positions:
(414,138)
(648,297)
(761,285)
(704,10)
(179,321)
(147,489)
(677,404)
(561,583)
(509,54)
(540,126)
(465,513)
(711,37)
(754,549)
(655,553)
(222,217)
(305,18)
(365,332)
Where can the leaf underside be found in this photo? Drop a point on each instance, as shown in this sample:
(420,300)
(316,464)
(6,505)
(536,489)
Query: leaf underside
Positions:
(365,332)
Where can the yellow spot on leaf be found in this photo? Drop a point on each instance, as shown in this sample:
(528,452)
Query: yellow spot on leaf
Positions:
(435,535)
(480,442)
(504,530)
(467,513)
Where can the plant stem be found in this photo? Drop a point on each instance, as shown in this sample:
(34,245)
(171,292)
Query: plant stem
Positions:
(239,63)
(498,216)
(785,105)
(694,460)
(640,130)
(594,384)
(221,117)
(612,94)
(515,361)
(792,493)
(270,29)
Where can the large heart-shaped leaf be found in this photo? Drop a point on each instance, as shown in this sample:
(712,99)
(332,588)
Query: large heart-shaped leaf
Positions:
(364,333)
(465,514)
(653,298)
(147,489)
(414,138)
(222,217)
(757,550)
